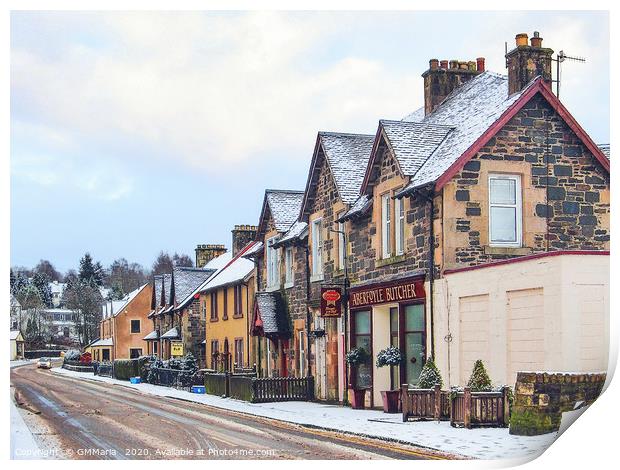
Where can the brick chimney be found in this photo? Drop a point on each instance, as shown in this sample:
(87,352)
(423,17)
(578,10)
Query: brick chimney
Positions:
(241,236)
(443,77)
(527,61)
(205,253)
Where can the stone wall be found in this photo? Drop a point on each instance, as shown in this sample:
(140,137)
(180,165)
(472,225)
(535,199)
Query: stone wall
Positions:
(565,191)
(541,398)
(193,330)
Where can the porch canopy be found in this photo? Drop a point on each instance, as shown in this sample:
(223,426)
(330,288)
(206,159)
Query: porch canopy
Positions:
(152,336)
(270,318)
(103,342)
(172,333)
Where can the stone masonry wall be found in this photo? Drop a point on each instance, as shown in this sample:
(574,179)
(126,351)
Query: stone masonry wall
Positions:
(541,398)
(565,191)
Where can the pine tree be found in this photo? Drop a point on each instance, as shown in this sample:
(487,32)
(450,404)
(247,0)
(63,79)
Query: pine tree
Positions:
(430,375)
(90,273)
(479,380)
(42,283)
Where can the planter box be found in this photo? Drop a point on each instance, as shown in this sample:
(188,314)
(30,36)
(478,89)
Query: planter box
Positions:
(358,399)
(391,400)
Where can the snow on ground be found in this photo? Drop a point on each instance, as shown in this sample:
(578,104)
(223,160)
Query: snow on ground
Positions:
(485,443)
(23,445)
(20,362)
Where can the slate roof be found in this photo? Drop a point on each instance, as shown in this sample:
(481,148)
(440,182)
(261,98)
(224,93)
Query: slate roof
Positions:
(271,311)
(186,280)
(605,149)
(412,143)
(172,333)
(297,231)
(103,342)
(361,206)
(235,271)
(347,156)
(284,206)
(470,109)
(254,251)
(151,336)
(117,306)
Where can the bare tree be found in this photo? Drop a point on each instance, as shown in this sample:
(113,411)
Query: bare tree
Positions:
(47,268)
(124,277)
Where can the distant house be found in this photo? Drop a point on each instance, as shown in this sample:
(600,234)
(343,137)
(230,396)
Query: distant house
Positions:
(57,289)
(17,345)
(16,313)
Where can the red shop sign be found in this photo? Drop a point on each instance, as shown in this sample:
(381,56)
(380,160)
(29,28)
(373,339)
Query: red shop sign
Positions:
(331,302)
(393,292)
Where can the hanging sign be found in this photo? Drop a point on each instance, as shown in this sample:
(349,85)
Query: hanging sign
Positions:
(176,348)
(331,302)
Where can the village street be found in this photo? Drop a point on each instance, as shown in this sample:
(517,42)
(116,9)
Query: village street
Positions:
(87,420)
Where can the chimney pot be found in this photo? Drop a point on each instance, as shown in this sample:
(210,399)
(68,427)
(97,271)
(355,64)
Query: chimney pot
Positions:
(454,64)
(521,39)
(433,64)
(536,40)
(480,64)
(444,64)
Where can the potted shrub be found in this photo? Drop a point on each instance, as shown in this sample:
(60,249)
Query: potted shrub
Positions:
(479,380)
(389,357)
(355,357)
(430,376)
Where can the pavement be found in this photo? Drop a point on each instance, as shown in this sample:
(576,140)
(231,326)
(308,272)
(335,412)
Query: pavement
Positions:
(87,419)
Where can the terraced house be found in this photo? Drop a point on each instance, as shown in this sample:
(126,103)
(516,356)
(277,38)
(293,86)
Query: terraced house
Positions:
(227,300)
(280,333)
(461,227)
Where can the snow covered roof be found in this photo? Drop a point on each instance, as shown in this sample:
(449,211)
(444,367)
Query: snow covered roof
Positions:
(114,307)
(14,302)
(185,282)
(471,110)
(14,335)
(605,149)
(57,287)
(103,342)
(256,249)
(152,335)
(172,333)
(413,142)
(219,261)
(297,231)
(347,156)
(361,206)
(270,315)
(237,270)
(284,206)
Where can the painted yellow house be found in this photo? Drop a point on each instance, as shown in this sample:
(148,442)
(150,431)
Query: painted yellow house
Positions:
(227,301)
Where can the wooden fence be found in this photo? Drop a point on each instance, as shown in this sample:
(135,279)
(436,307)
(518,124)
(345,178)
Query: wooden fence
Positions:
(469,409)
(248,388)
(425,403)
(463,409)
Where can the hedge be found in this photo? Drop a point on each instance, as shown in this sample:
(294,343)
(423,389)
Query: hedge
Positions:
(124,369)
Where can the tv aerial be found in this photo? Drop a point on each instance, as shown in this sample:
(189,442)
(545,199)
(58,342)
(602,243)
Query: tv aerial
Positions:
(561,57)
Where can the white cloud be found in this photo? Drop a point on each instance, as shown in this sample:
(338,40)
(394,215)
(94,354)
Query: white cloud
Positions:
(207,89)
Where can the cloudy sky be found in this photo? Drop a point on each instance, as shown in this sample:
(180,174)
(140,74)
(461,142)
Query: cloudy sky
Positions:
(137,132)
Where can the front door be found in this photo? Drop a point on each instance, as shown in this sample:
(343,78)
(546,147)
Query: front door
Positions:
(413,342)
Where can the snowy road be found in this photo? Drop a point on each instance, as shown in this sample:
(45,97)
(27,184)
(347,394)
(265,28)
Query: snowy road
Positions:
(101,421)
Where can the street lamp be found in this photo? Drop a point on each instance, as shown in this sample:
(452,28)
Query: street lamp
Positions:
(345,295)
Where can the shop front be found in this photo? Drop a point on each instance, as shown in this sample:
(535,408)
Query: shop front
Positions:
(383,315)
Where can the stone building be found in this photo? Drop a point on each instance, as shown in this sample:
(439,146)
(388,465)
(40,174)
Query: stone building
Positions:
(280,333)
(463,224)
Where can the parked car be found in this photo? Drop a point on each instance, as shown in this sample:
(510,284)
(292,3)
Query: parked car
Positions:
(44,363)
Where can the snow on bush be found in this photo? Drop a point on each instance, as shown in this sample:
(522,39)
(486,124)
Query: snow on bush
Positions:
(72,355)
(357,356)
(430,376)
(479,380)
(389,356)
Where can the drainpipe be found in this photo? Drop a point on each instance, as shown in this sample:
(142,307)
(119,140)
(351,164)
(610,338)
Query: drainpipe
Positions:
(309,348)
(431,263)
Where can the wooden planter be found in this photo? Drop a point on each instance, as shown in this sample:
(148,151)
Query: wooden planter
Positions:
(358,401)
(391,400)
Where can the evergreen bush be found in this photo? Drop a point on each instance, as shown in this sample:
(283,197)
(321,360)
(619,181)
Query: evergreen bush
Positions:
(430,375)
(390,356)
(479,380)
(357,356)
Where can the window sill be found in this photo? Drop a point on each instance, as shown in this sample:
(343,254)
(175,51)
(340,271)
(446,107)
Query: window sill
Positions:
(507,250)
(316,278)
(272,288)
(237,316)
(390,260)
(288,285)
(338,273)
(213,320)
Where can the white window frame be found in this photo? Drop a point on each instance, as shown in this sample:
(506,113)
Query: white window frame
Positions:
(317,250)
(273,264)
(288,266)
(341,245)
(386,226)
(399,226)
(517,206)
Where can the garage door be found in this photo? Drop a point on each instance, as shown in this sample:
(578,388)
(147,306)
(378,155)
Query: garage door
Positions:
(594,340)
(474,333)
(526,332)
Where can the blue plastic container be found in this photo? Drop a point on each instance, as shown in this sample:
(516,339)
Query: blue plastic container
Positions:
(198,389)
(135,380)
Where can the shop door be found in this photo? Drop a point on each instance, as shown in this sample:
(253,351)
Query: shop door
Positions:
(414,342)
